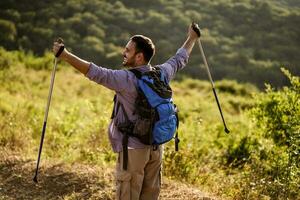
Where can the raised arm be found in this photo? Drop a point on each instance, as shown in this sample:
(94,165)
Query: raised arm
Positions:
(192,37)
(180,59)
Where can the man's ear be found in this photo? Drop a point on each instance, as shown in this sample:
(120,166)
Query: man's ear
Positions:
(140,56)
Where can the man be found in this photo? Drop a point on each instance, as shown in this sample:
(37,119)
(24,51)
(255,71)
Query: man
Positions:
(141,180)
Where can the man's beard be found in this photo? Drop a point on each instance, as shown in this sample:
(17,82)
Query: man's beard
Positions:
(128,62)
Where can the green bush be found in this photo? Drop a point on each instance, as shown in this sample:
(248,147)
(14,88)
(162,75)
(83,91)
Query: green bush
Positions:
(238,153)
(277,115)
(39,63)
(8,31)
(6,59)
(12,58)
(232,87)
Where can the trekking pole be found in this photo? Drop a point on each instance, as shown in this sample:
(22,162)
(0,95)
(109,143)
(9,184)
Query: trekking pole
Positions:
(197,30)
(47,108)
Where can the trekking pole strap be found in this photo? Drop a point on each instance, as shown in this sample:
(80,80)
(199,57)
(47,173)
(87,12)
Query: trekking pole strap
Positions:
(61,49)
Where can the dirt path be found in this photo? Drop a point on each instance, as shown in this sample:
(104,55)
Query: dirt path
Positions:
(63,181)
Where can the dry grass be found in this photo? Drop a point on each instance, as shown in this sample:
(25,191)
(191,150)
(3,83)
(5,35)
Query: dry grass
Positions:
(70,181)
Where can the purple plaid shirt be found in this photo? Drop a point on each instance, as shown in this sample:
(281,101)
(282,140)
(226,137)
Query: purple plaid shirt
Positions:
(124,83)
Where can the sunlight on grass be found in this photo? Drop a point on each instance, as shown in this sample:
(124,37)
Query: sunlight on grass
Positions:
(80,111)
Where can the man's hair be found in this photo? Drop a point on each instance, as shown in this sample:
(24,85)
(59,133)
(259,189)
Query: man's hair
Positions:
(144,45)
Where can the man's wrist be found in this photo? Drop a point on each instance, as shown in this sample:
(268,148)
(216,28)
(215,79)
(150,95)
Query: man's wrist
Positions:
(193,38)
(64,54)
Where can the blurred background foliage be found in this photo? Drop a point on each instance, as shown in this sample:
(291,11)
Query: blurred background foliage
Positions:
(245,40)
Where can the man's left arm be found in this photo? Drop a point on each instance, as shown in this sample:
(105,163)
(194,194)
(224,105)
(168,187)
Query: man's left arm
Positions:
(180,59)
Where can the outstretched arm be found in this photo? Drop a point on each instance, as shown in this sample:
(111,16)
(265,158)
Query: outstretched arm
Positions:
(117,80)
(78,63)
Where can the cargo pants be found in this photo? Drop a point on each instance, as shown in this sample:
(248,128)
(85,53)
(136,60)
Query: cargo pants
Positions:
(142,179)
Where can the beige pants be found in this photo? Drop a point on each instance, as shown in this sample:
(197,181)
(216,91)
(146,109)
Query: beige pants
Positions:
(141,180)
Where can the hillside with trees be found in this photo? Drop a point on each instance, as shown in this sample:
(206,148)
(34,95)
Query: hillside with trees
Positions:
(245,40)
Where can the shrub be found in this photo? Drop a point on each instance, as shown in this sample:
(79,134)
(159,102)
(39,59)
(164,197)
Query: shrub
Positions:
(39,63)
(238,154)
(277,115)
(234,88)
(6,59)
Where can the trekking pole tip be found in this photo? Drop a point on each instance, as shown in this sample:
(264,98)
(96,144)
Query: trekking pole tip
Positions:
(177,143)
(226,130)
(35,179)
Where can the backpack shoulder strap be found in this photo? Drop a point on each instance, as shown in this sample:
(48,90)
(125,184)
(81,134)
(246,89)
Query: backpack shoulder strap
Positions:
(137,73)
(162,75)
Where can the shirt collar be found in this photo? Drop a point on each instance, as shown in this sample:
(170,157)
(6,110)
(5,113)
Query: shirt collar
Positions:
(143,68)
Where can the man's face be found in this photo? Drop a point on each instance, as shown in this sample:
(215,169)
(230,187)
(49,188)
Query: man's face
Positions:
(129,55)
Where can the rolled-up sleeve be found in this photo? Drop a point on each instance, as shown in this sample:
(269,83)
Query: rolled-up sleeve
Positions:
(175,63)
(117,80)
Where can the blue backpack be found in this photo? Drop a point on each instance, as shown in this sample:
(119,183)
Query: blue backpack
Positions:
(157,120)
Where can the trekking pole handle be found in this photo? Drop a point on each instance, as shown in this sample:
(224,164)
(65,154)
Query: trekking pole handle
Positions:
(196,28)
(61,49)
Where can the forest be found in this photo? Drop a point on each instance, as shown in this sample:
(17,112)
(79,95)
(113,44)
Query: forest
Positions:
(245,40)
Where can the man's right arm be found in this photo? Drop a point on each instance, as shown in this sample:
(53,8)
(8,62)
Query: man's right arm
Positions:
(78,63)
(117,80)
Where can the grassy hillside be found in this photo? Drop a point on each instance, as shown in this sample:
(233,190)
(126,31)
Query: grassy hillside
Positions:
(232,166)
(245,40)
